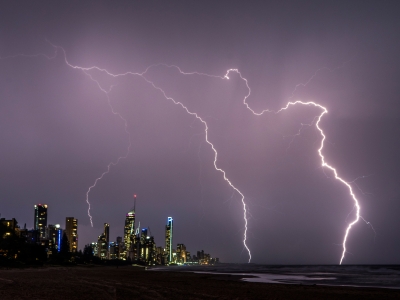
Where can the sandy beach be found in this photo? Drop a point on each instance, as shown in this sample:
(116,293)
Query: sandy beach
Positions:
(134,282)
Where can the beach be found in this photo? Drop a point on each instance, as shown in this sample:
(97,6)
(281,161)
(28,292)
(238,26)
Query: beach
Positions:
(97,282)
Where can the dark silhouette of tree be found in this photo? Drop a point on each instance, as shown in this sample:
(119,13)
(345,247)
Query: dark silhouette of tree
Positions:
(88,252)
(15,249)
(64,255)
(64,247)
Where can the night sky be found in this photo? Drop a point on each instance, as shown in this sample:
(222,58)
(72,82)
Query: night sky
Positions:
(58,133)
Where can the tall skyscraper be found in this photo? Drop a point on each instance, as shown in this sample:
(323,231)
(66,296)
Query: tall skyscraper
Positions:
(147,248)
(40,221)
(102,247)
(107,232)
(168,239)
(129,230)
(71,230)
(107,239)
(54,234)
(103,243)
(181,254)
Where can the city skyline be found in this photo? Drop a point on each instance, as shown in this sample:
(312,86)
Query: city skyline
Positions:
(138,246)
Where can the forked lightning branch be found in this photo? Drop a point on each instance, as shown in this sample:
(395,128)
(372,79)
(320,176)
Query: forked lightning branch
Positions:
(318,118)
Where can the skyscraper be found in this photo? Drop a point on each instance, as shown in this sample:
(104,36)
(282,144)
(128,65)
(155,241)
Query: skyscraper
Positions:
(40,220)
(168,239)
(147,248)
(54,234)
(129,230)
(181,254)
(107,232)
(71,230)
(103,243)
(102,247)
(107,239)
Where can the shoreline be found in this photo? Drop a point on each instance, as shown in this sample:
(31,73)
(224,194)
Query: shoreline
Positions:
(87,282)
(365,276)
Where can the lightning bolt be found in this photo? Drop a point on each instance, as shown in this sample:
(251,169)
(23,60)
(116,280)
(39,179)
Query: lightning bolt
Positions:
(106,92)
(324,111)
(87,70)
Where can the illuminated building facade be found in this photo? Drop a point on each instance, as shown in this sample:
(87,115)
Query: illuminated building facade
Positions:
(181,254)
(54,234)
(103,242)
(120,244)
(102,247)
(129,233)
(11,226)
(113,250)
(107,232)
(204,259)
(134,254)
(107,238)
(95,249)
(168,240)
(71,230)
(40,220)
(159,260)
(188,257)
(147,248)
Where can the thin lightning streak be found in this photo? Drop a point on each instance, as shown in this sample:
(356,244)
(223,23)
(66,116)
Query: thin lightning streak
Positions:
(361,177)
(299,132)
(106,92)
(215,156)
(85,70)
(317,124)
(370,225)
(315,74)
(323,162)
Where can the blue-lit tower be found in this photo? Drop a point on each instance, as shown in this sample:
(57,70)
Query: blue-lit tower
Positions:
(168,239)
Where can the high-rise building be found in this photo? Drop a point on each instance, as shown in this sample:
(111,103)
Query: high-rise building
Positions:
(120,244)
(95,249)
(181,254)
(71,230)
(129,231)
(54,234)
(40,220)
(159,256)
(168,240)
(103,243)
(11,226)
(102,247)
(107,232)
(107,239)
(147,248)
(113,250)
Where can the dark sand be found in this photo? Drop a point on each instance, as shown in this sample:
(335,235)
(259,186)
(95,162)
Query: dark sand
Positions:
(136,283)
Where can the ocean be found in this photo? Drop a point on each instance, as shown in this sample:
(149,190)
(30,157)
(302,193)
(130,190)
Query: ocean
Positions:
(379,276)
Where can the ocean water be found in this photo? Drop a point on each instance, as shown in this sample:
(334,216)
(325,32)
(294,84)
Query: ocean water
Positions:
(380,276)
